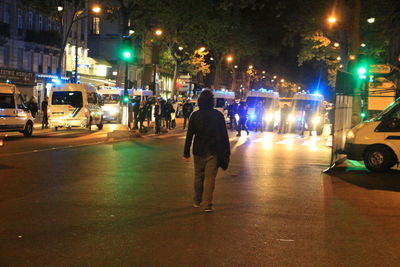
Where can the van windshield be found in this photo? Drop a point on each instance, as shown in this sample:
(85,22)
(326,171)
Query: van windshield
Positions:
(7,101)
(72,98)
(252,101)
(301,104)
(110,98)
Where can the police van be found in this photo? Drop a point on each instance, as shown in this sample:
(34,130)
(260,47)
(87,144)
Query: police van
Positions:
(111,98)
(377,141)
(270,101)
(302,104)
(75,105)
(221,100)
(14,114)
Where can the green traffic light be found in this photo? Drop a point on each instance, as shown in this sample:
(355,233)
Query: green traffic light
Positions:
(126,99)
(362,71)
(363,115)
(127,55)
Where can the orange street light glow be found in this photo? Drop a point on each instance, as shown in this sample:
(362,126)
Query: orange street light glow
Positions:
(332,20)
(229,59)
(96,9)
(158,32)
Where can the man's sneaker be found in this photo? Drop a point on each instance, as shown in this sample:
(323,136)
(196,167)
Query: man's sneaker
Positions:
(208,209)
(196,205)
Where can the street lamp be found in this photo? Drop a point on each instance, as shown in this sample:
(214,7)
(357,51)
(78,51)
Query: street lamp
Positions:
(336,44)
(332,19)
(363,45)
(250,67)
(202,49)
(229,59)
(211,58)
(180,48)
(282,80)
(371,20)
(275,77)
(96,9)
(158,32)
(236,66)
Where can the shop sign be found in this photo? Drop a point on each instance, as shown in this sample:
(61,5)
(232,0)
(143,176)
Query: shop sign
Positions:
(17,77)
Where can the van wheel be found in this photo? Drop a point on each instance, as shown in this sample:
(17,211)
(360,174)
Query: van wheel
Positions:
(379,158)
(90,124)
(28,129)
(100,125)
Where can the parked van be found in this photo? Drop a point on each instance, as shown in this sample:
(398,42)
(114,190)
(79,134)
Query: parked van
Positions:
(75,105)
(112,104)
(297,116)
(377,141)
(270,101)
(14,114)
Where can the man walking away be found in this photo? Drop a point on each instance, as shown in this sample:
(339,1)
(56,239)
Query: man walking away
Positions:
(187,110)
(157,116)
(285,111)
(210,148)
(136,107)
(168,109)
(242,112)
(259,113)
(45,119)
(149,109)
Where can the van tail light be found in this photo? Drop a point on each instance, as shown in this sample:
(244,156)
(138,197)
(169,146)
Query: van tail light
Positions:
(48,113)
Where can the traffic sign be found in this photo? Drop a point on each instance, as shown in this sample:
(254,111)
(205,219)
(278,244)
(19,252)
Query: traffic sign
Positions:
(380,69)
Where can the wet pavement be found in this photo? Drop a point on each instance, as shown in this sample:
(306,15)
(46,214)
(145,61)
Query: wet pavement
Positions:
(129,204)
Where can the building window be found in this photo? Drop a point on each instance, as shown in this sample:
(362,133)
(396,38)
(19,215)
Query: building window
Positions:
(30,20)
(6,55)
(49,64)
(20,19)
(20,58)
(6,14)
(40,63)
(41,28)
(49,26)
(96,26)
(30,60)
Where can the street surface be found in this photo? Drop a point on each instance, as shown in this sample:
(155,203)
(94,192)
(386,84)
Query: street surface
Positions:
(71,198)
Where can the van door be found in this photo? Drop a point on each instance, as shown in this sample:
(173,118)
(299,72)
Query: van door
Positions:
(391,126)
(8,112)
(22,111)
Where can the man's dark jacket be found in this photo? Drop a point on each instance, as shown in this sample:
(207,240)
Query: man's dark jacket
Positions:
(210,136)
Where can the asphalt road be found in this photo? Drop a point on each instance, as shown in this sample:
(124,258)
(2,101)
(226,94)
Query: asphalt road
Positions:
(129,204)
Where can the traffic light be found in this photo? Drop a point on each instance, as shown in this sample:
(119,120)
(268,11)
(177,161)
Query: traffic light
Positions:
(362,67)
(125,99)
(126,50)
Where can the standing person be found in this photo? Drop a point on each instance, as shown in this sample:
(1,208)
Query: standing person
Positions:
(242,112)
(45,119)
(163,115)
(33,106)
(142,116)
(136,107)
(157,116)
(173,114)
(210,148)
(259,112)
(232,111)
(149,109)
(187,110)
(168,109)
(285,111)
(307,119)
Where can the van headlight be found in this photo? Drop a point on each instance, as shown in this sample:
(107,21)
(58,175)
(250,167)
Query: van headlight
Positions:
(270,116)
(316,120)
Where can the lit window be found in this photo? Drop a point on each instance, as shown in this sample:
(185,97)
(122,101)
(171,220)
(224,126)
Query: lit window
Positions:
(96,26)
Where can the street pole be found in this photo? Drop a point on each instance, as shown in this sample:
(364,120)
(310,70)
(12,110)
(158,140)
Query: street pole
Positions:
(76,51)
(126,108)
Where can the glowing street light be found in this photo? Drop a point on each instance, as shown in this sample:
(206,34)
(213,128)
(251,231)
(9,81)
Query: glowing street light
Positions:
(263,72)
(202,49)
(60,8)
(371,20)
(338,58)
(96,9)
(352,57)
(236,66)
(158,32)
(250,67)
(282,80)
(180,48)
(332,20)
(131,32)
(229,59)
(336,44)
(363,45)
(275,76)
(211,58)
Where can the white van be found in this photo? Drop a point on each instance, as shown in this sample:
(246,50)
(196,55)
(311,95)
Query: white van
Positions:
(297,116)
(14,114)
(112,104)
(141,95)
(270,101)
(221,100)
(377,141)
(75,105)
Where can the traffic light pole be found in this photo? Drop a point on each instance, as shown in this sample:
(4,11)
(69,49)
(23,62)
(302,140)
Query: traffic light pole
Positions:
(126,94)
